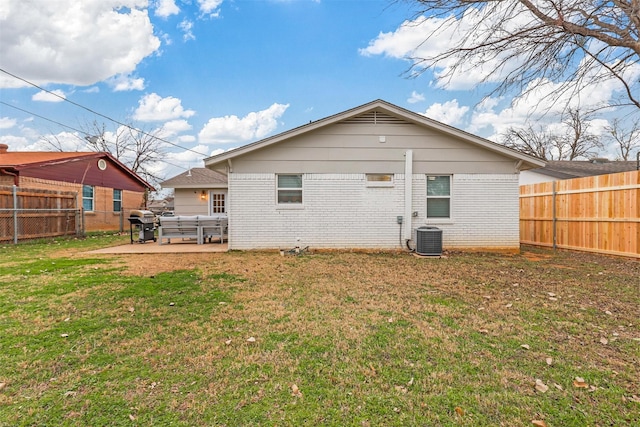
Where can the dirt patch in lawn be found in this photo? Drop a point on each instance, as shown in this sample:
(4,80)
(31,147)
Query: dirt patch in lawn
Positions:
(530,256)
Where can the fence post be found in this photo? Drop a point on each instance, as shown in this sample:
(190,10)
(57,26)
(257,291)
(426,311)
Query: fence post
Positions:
(555,217)
(15,214)
(82,220)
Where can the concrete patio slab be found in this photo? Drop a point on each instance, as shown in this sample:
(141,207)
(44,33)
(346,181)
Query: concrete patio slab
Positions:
(176,246)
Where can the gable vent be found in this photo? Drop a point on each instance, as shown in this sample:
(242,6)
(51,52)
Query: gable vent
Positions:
(374,118)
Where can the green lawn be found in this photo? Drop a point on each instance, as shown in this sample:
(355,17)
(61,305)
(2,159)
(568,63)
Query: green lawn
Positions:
(342,339)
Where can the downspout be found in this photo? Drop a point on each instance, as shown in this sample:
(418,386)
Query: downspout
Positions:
(228,205)
(16,177)
(408,193)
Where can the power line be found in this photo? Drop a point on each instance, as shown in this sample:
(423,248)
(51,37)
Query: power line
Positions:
(72,128)
(99,114)
(42,117)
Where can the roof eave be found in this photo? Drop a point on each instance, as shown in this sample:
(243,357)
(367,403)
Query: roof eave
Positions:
(529,162)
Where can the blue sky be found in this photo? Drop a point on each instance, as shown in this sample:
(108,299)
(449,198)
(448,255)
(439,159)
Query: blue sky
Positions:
(210,75)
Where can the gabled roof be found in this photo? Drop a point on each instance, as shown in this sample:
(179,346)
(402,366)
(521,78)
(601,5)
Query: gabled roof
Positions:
(197,178)
(25,159)
(384,107)
(18,161)
(567,169)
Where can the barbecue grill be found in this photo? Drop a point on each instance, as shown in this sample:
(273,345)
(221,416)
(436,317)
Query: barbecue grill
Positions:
(142,223)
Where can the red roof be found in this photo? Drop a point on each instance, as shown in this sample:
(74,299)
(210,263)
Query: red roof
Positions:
(65,166)
(24,158)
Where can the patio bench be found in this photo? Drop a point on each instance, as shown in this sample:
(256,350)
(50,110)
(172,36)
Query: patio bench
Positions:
(212,227)
(185,227)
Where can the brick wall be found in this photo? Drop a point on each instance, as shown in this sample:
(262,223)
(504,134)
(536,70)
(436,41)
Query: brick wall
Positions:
(341,211)
(103,218)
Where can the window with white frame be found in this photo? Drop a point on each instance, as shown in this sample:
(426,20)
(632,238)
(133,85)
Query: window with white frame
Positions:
(117,200)
(438,196)
(87,198)
(289,189)
(218,203)
(379,180)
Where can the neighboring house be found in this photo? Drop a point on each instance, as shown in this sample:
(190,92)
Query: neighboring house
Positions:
(161,205)
(340,182)
(567,169)
(199,191)
(106,189)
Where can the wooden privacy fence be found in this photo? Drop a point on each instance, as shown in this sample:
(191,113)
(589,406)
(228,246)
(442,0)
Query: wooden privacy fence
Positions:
(27,213)
(596,214)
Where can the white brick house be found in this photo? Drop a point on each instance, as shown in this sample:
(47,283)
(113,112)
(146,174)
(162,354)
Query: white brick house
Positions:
(340,182)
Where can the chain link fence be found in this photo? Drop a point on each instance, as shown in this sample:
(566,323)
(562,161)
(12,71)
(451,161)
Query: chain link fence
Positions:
(27,214)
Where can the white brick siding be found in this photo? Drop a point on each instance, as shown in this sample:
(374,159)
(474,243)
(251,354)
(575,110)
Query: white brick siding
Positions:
(341,211)
(484,209)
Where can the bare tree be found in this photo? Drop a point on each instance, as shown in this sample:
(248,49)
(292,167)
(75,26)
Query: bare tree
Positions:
(534,142)
(578,141)
(521,44)
(136,148)
(625,136)
(573,139)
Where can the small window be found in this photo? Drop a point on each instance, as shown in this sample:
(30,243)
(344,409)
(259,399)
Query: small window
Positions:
(87,198)
(289,189)
(438,196)
(117,200)
(379,180)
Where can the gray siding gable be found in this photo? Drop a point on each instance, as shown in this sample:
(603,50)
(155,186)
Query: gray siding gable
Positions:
(374,140)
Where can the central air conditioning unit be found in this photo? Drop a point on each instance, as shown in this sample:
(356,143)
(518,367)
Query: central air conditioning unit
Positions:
(429,241)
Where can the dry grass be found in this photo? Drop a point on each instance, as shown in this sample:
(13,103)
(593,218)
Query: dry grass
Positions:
(368,338)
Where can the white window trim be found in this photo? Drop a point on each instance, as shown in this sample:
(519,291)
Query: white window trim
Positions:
(92,198)
(374,184)
(450,218)
(117,200)
(211,202)
(289,206)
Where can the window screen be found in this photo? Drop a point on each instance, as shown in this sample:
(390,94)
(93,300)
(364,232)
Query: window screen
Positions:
(117,200)
(289,189)
(438,196)
(87,197)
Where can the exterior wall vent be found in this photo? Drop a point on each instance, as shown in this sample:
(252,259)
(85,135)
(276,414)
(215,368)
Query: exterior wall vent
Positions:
(375,118)
(429,241)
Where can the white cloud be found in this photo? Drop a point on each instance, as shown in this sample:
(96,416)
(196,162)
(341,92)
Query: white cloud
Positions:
(76,42)
(122,83)
(428,37)
(449,112)
(15,143)
(154,108)
(210,7)
(52,96)
(415,97)
(186,27)
(230,129)
(186,139)
(174,127)
(537,105)
(166,8)
(7,122)
(92,89)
